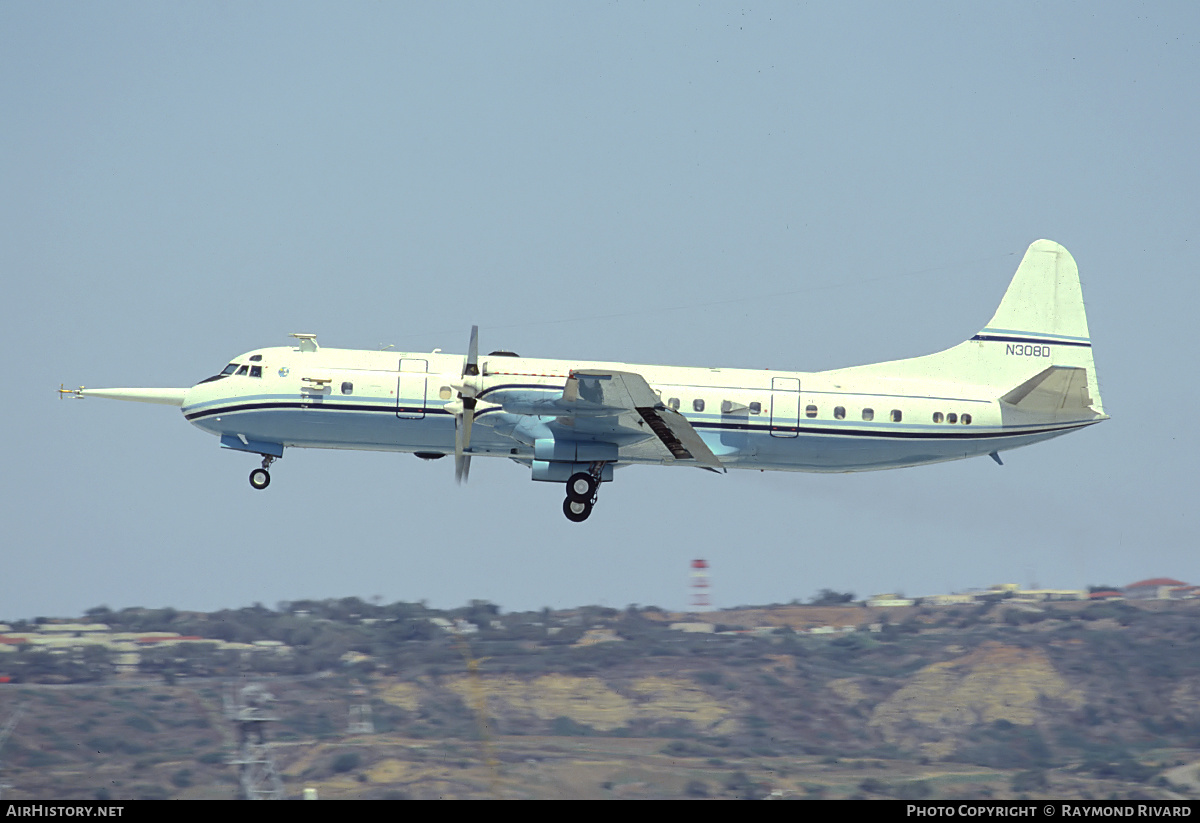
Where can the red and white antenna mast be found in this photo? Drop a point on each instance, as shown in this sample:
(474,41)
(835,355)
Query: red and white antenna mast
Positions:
(699,586)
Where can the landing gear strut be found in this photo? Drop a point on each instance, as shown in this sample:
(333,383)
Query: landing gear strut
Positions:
(261,478)
(582,490)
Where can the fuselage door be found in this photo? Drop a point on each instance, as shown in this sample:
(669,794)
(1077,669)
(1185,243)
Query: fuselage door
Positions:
(410,389)
(785,406)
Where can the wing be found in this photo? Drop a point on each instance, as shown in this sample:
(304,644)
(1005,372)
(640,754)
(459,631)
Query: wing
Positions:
(621,407)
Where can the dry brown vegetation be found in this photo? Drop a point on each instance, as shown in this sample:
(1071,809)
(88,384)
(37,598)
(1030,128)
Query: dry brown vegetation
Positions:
(1075,700)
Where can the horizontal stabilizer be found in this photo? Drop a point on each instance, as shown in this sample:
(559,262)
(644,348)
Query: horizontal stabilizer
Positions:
(1059,391)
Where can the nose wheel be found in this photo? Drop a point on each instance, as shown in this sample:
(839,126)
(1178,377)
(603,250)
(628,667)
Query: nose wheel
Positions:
(261,478)
(582,490)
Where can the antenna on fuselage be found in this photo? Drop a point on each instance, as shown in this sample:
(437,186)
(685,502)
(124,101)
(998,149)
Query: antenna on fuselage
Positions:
(308,342)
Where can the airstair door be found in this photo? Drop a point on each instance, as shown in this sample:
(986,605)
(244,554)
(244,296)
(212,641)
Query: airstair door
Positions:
(785,406)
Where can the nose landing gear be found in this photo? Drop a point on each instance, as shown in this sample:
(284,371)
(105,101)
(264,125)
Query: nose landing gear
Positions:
(261,478)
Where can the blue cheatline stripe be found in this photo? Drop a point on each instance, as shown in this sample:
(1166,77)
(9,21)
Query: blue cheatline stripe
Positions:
(306,405)
(962,434)
(976,434)
(1005,336)
(1026,332)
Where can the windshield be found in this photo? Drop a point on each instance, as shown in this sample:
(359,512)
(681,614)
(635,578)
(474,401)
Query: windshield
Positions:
(239,369)
(228,370)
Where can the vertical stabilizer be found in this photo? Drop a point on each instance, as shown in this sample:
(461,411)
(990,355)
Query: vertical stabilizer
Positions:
(1040,331)
(1042,324)
(1044,299)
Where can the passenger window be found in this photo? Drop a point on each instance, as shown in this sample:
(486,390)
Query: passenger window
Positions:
(698,405)
(347,388)
(966,419)
(839,412)
(673,404)
(952,418)
(810,411)
(242,370)
(896,416)
(868,414)
(937,417)
(256,371)
(756,407)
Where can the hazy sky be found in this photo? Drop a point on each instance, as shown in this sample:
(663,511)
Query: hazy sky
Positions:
(796,186)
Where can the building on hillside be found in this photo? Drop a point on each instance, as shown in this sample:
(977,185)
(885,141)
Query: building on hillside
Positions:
(1156,588)
(72,629)
(1041,595)
(877,601)
(948,599)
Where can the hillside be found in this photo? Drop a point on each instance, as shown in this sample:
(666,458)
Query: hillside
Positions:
(995,700)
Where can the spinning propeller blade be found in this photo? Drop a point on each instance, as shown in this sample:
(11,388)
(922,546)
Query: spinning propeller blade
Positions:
(466,393)
(462,462)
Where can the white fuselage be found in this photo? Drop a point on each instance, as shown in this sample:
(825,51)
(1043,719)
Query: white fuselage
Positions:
(823,421)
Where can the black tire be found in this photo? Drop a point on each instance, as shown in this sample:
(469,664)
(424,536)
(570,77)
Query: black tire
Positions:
(260,478)
(581,487)
(577,510)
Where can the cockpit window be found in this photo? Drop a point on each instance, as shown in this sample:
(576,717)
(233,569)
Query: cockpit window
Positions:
(256,371)
(255,358)
(228,370)
(242,370)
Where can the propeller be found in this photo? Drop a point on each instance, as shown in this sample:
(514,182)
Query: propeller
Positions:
(468,390)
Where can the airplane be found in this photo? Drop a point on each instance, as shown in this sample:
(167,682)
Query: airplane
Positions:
(1027,376)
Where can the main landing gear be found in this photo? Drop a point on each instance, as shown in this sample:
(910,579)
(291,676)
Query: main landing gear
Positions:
(261,478)
(582,491)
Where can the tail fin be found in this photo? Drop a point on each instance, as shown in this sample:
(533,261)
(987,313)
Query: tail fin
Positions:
(1043,300)
(1036,345)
